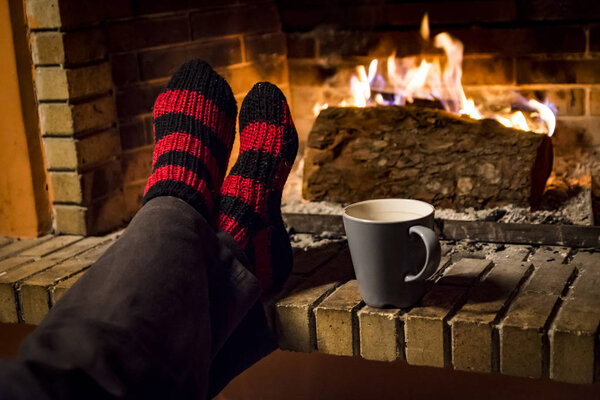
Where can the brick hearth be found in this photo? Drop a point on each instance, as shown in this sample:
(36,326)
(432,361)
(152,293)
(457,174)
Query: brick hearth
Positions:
(514,309)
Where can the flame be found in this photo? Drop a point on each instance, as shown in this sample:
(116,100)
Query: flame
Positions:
(438,78)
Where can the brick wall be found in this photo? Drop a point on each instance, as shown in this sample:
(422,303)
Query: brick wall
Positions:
(100,65)
(532,46)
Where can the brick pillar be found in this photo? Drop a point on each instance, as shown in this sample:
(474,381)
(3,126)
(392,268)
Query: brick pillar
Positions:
(77,114)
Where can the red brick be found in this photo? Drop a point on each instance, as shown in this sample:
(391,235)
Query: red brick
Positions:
(595,102)
(545,10)
(81,13)
(450,12)
(558,71)
(84,46)
(522,41)
(566,101)
(134,134)
(346,43)
(367,16)
(242,78)
(101,181)
(304,19)
(299,46)
(133,195)
(262,47)
(138,99)
(233,20)
(137,164)
(164,62)
(309,74)
(124,68)
(143,7)
(595,37)
(141,33)
(487,71)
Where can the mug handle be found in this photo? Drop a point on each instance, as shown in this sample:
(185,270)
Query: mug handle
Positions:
(432,250)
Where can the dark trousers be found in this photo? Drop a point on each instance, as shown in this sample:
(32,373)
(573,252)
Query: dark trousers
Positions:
(169,311)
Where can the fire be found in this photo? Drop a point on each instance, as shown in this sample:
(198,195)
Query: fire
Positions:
(438,78)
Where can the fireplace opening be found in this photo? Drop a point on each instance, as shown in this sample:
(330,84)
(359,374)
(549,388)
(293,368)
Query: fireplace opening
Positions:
(494,66)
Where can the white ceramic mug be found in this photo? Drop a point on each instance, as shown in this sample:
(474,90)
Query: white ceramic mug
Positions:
(394,249)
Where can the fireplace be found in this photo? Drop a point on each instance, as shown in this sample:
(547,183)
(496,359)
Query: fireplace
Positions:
(99,66)
(541,51)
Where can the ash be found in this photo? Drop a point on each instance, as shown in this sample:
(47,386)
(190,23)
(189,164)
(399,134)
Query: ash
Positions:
(307,241)
(574,211)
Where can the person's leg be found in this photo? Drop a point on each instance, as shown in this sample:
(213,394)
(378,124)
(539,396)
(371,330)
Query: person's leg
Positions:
(250,202)
(138,323)
(249,212)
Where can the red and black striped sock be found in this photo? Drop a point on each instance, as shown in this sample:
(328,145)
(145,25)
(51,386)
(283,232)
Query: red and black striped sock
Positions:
(250,201)
(194,128)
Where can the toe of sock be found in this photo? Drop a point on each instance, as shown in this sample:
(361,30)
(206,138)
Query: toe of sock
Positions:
(265,102)
(197,75)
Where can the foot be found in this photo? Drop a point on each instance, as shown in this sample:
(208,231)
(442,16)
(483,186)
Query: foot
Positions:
(194,128)
(250,202)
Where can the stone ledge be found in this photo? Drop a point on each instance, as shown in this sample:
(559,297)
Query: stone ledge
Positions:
(516,310)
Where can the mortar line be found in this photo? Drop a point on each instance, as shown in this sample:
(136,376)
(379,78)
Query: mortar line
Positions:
(356,328)
(401,336)
(550,320)
(501,314)
(312,321)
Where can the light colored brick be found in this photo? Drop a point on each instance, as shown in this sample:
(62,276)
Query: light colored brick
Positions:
(10,263)
(574,331)
(464,272)
(70,220)
(8,286)
(521,335)
(380,334)
(472,326)
(76,248)
(66,187)
(61,287)
(67,119)
(51,83)
(43,14)
(572,338)
(549,278)
(546,254)
(336,333)
(58,83)
(50,246)
(424,326)
(47,48)
(294,319)
(17,246)
(61,153)
(586,261)
(34,293)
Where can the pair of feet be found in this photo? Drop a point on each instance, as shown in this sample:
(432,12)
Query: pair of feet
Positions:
(194,128)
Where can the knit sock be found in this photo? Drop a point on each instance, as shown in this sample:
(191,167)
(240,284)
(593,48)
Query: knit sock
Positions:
(194,128)
(250,202)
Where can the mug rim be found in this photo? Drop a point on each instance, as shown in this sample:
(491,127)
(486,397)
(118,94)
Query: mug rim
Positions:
(369,221)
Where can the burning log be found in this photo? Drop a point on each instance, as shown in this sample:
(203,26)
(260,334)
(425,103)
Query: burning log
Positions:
(355,154)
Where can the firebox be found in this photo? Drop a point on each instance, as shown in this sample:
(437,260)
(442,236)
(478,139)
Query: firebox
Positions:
(529,64)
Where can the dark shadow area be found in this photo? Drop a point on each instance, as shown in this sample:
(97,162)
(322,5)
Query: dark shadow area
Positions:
(290,376)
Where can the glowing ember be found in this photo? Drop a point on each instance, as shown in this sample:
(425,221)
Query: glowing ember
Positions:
(439,78)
